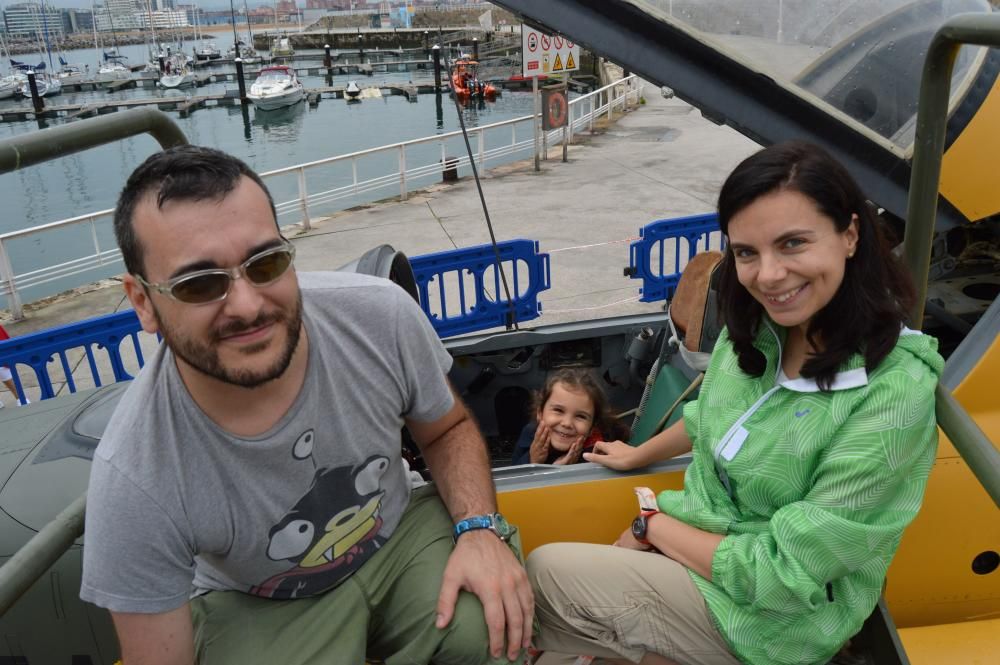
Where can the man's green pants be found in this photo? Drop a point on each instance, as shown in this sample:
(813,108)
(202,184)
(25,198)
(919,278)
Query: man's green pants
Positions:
(384,612)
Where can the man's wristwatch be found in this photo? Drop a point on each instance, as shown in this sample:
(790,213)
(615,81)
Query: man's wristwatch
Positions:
(492,521)
(640,525)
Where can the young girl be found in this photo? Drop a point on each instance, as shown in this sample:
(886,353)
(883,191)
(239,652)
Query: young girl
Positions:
(571,415)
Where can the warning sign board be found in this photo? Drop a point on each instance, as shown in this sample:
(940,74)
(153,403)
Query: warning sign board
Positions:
(546,54)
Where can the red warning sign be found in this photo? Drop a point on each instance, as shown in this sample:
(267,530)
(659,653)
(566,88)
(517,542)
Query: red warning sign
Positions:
(546,42)
(532,42)
(558,41)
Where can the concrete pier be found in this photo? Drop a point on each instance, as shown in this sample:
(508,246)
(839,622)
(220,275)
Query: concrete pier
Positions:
(659,160)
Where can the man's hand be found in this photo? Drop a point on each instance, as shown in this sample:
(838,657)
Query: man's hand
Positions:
(484,565)
(571,456)
(539,451)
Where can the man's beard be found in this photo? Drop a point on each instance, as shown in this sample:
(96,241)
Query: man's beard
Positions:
(205,357)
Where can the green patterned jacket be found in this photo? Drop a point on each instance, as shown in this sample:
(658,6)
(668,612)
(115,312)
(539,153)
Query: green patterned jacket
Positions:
(813,490)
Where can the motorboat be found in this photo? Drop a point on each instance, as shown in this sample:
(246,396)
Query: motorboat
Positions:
(465,82)
(176,73)
(276,86)
(352,90)
(210,52)
(282,48)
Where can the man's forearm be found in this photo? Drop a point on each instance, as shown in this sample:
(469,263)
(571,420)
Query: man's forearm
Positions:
(460,467)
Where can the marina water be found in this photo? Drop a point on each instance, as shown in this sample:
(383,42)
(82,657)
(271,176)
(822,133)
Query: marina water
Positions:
(90,181)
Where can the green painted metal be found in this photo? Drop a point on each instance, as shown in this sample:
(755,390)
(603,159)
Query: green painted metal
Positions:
(928,146)
(39,554)
(44,549)
(19,152)
(970,442)
(982,29)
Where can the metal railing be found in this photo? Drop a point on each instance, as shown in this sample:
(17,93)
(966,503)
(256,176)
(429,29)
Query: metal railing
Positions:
(332,194)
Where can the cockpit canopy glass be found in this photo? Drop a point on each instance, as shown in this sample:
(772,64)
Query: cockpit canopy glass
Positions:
(861,59)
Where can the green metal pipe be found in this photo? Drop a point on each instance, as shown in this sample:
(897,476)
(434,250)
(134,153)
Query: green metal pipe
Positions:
(30,562)
(22,151)
(970,442)
(928,147)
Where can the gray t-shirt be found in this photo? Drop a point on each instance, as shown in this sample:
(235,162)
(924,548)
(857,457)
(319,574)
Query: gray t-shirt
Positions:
(177,506)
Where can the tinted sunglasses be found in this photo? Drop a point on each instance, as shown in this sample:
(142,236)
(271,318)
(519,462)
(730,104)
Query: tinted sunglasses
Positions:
(206,286)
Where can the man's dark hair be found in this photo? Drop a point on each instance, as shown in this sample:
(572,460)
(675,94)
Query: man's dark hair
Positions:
(182,173)
(867,311)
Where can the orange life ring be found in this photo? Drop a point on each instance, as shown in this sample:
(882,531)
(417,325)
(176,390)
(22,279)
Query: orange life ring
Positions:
(556,109)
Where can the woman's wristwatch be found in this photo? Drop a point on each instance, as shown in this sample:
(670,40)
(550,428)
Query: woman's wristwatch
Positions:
(640,526)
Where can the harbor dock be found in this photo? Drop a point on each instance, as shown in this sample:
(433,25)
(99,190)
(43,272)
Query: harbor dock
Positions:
(659,160)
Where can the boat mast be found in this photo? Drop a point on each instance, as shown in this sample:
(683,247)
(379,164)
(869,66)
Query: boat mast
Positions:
(249,29)
(154,49)
(236,38)
(45,26)
(93,24)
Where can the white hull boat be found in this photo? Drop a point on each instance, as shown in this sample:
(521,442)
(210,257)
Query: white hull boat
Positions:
(176,73)
(46,86)
(8,87)
(210,52)
(352,90)
(276,87)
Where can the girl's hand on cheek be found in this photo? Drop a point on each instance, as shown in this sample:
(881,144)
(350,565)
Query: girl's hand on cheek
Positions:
(572,456)
(539,451)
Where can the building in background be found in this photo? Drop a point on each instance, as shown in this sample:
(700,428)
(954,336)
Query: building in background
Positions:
(32,19)
(77,20)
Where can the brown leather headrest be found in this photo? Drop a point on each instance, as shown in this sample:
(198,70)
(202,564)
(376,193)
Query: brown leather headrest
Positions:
(687,309)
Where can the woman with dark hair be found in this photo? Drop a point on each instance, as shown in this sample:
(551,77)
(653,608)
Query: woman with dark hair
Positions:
(812,439)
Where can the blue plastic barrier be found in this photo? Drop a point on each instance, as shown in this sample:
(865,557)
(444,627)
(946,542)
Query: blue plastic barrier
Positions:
(466,274)
(38,349)
(657,284)
(526,268)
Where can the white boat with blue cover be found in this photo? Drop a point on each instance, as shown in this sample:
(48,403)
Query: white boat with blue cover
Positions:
(276,86)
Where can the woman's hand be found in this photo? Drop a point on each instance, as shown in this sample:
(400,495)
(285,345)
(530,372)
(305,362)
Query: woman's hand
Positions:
(571,456)
(539,451)
(616,455)
(628,541)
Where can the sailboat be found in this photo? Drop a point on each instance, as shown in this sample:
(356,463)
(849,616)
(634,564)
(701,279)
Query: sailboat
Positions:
(8,84)
(113,66)
(241,49)
(45,83)
(176,73)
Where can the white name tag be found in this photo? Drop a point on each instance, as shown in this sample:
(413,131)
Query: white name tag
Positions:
(734,444)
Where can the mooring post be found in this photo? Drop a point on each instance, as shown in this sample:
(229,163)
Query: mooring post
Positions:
(361,47)
(327,61)
(161,59)
(36,101)
(240,82)
(475,49)
(427,43)
(436,51)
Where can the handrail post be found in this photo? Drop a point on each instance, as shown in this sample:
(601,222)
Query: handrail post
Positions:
(402,173)
(482,149)
(304,200)
(97,242)
(7,275)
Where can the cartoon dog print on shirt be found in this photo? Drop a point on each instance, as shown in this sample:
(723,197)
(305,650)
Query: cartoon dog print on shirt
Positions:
(330,531)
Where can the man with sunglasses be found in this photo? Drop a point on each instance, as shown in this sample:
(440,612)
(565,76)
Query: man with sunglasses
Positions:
(248,502)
